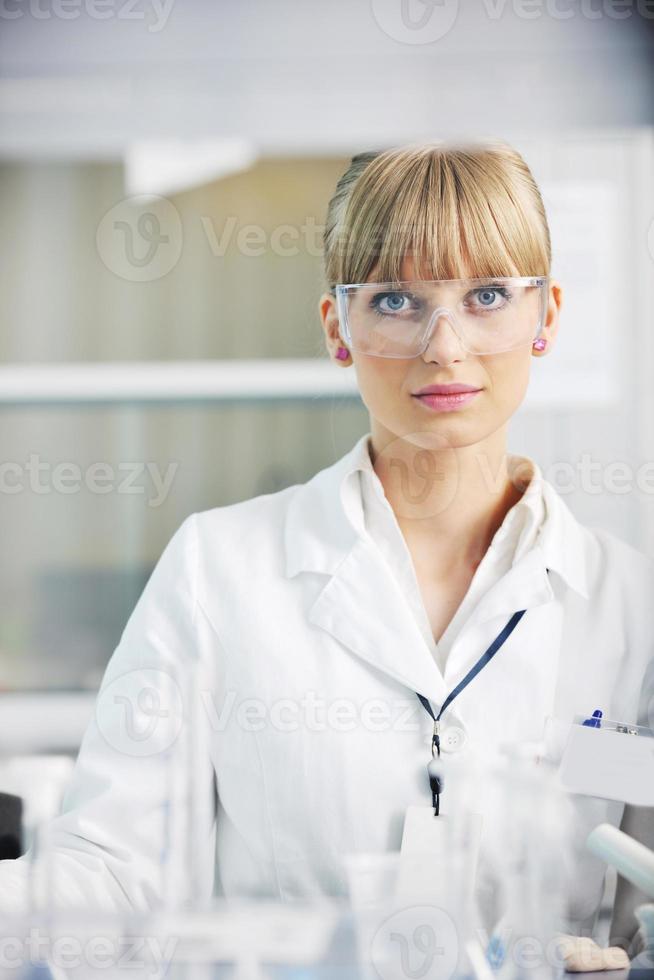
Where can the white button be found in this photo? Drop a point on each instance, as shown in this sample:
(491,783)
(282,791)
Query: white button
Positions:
(453,738)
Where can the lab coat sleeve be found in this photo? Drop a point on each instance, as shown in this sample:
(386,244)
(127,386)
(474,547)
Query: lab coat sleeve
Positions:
(118,843)
(638,822)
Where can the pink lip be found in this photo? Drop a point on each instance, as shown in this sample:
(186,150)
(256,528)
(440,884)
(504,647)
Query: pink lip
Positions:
(452,389)
(446,398)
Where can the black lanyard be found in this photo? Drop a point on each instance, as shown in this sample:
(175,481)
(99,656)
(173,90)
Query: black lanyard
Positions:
(434,781)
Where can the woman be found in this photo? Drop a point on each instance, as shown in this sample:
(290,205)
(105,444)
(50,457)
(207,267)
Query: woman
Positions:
(297,628)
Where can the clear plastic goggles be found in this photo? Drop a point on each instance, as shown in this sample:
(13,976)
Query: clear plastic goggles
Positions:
(397,319)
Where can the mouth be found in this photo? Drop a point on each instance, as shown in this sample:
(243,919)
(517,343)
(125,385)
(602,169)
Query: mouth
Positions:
(444,398)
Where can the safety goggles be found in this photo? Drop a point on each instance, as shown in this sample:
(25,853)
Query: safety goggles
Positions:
(398,319)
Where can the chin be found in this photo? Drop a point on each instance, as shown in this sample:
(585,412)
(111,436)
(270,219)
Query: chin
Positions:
(445,430)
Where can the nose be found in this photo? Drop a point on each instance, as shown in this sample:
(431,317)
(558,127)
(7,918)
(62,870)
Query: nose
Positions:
(443,341)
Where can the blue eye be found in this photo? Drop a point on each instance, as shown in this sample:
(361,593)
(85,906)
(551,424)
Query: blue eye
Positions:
(389,303)
(490,297)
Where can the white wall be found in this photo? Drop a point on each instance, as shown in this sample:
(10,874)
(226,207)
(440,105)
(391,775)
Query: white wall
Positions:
(306,76)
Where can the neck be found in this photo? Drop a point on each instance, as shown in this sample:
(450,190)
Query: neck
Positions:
(457,497)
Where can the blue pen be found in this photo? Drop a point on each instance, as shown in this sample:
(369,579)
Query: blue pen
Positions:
(595,721)
(495,952)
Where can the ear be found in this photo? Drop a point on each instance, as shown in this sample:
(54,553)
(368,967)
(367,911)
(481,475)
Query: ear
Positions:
(331,326)
(551,325)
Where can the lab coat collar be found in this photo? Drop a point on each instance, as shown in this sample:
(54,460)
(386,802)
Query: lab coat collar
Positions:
(564,542)
(325,518)
(561,547)
(325,532)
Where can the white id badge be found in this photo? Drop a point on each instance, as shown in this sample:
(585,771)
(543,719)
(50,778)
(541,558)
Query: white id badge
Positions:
(614,761)
(425,854)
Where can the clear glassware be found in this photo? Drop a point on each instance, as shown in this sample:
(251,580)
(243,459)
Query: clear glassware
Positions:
(39,780)
(528,851)
(412,909)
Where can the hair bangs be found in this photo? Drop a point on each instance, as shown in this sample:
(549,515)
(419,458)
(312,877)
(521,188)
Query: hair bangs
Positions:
(472,212)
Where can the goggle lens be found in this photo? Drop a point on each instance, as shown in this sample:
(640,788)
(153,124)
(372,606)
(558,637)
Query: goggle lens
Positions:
(488,316)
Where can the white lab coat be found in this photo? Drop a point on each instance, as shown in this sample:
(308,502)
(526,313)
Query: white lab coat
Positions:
(308,732)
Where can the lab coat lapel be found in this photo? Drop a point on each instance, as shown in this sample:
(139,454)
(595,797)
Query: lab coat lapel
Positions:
(361,604)
(559,552)
(525,585)
(559,556)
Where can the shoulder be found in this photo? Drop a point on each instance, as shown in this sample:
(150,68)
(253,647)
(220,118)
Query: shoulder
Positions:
(604,554)
(616,577)
(235,545)
(311,503)
(627,569)
(619,554)
(242,521)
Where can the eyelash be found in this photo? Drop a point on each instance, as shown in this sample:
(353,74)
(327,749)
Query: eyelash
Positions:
(378,297)
(502,290)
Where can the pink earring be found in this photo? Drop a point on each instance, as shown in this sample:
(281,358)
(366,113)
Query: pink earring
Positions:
(342,353)
(540,344)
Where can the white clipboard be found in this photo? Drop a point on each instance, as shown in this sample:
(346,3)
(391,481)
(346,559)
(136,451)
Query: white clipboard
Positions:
(613,761)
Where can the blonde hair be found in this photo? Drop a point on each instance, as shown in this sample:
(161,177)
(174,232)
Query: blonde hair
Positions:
(467,210)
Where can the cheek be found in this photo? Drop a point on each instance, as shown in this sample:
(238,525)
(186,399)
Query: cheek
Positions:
(380,380)
(508,377)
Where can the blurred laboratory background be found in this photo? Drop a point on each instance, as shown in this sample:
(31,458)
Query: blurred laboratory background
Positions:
(164,173)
